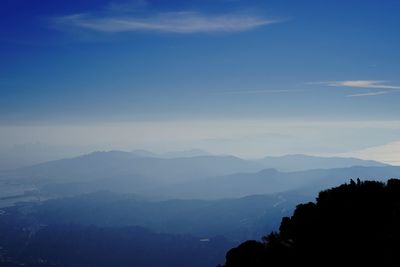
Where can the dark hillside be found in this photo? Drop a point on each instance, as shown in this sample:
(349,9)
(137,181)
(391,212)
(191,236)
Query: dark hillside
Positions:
(355,224)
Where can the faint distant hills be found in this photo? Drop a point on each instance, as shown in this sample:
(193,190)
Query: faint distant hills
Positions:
(298,162)
(271,181)
(291,162)
(193,176)
(215,164)
(112,164)
(192,203)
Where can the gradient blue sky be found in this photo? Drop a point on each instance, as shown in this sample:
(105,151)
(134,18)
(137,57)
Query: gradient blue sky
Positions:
(80,63)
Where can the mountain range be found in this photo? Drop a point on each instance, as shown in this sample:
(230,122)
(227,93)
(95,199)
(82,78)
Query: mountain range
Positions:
(192,202)
(195,177)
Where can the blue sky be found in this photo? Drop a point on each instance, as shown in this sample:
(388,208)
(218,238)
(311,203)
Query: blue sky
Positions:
(119,62)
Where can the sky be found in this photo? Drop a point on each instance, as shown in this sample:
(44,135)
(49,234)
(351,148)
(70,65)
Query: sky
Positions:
(249,78)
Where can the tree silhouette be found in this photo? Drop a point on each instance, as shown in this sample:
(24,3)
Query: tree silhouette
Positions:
(355,224)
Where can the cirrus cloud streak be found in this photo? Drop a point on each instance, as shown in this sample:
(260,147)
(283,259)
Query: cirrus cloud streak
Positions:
(371,84)
(173,22)
(379,87)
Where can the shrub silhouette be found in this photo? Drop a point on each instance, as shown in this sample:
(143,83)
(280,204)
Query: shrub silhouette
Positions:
(355,224)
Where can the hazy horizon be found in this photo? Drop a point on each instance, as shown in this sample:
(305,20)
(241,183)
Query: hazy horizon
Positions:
(247,78)
(370,140)
(168,133)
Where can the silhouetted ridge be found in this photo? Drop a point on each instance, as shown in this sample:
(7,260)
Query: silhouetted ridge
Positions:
(355,224)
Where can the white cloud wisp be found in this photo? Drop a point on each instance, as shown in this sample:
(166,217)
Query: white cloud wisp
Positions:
(173,22)
(371,84)
(379,87)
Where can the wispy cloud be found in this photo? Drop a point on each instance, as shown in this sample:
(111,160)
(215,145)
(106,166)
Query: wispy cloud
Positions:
(371,84)
(368,94)
(174,22)
(379,87)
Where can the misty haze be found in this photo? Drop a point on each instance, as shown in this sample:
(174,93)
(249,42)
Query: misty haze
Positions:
(204,133)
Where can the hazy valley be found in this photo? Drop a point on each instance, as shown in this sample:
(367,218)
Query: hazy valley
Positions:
(202,202)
